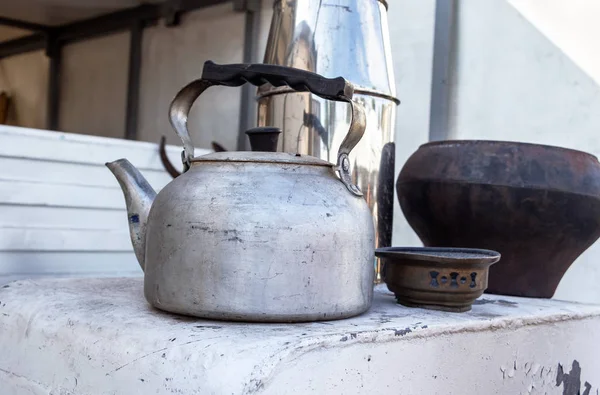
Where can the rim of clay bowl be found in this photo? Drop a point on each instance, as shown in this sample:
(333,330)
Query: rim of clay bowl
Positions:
(509,142)
(460,256)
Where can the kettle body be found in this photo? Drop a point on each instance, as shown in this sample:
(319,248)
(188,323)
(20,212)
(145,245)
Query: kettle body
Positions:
(255,236)
(259,241)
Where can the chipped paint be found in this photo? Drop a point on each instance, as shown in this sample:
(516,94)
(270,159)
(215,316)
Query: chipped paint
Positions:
(537,378)
(402,332)
(571,381)
(531,374)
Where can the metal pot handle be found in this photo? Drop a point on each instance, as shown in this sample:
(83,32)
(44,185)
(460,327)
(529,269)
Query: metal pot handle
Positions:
(337,89)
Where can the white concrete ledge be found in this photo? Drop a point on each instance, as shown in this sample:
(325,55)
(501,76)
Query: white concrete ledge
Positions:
(99,336)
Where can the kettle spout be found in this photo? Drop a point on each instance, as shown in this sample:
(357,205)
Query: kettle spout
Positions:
(139,196)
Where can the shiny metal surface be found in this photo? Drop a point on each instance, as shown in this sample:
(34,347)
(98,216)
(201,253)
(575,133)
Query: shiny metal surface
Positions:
(337,37)
(348,38)
(139,196)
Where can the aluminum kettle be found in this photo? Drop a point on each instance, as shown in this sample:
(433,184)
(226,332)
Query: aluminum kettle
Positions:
(255,236)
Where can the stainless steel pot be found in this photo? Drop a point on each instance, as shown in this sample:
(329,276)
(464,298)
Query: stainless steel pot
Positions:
(337,37)
(255,236)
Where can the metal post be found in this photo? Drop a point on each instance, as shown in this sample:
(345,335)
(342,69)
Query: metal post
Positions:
(133,80)
(54,53)
(248,102)
(440,87)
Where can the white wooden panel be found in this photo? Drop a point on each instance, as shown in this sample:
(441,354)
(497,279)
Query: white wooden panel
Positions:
(26,169)
(28,193)
(62,212)
(50,239)
(64,147)
(61,217)
(26,263)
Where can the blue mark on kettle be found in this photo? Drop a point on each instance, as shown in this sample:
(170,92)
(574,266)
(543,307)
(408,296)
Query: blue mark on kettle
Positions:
(134,219)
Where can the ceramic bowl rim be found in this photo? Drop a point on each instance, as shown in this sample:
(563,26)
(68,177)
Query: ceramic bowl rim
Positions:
(509,142)
(408,255)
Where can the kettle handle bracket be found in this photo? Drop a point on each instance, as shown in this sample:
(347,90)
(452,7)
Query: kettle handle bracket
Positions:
(233,75)
(357,130)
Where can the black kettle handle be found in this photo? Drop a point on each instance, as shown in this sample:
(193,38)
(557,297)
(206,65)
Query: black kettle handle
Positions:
(337,89)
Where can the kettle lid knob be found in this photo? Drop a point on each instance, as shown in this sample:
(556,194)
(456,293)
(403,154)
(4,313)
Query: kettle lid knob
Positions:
(264,139)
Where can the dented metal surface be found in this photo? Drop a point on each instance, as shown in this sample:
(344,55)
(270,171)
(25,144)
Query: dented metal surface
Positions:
(255,236)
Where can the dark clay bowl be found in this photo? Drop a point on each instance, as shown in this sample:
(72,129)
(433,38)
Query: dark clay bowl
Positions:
(447,279)
(538,205)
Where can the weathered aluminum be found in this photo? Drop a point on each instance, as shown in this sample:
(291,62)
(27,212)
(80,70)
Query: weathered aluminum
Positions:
(538,205)
(338,37)
(447,279)
(139,196)
(336,89)
(254,236)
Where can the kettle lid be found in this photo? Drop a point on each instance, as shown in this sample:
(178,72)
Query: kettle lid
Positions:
(263,142)
(264,138)
(262,157)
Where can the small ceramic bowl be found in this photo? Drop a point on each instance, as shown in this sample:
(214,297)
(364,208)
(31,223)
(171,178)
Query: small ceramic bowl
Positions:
(447,279)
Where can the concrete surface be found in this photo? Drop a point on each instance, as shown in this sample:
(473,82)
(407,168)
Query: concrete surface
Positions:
(99,336)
